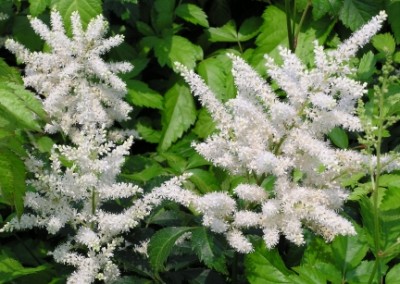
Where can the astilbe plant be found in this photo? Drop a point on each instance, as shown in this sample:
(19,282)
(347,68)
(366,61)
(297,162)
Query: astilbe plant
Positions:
(83,97)
(282,133)
(259,133)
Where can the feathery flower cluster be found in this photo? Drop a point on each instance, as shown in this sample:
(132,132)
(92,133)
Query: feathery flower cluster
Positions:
(258,134)
(78,86)
(83,97)
(261,134)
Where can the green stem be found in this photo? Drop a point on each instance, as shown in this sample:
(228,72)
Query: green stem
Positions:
(293,16)
(375,176)
(303,17)
(289,25)
(240,46)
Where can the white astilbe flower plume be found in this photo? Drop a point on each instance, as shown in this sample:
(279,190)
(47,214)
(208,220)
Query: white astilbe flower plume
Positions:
(78,87)
(261,134)
(83,97)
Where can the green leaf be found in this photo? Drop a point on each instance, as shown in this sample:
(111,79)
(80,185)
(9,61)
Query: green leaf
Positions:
(204,180)
(9,74)
(339,137)
(178,115)
(15,108)
(12,179)
(29,99)
(44,144)
(323,7)
(391,191)
(384,43)
(87,9)
(360,191)
(349,251)
(391,200)
(249,29)
(163,14)
(216,72)
(192,14)
(176,162)
(389,225)
(393,11)
(390,180)
(205,125)
(272,34)
(161,244)
(146,174)
(37,7)
(317,250)
(392,277)
(265,267)
(331,273)
(390,228)
(313,30)
(396,57)
(196,161)
(226,33)
(148,134)
(366,67)
(361,274)
(23,33)
(13,142)
(140,94)
(11,269)
(355,13)
(208,251)
(220,12)
(144,28)
(5,134)
(171,49)
(308,274)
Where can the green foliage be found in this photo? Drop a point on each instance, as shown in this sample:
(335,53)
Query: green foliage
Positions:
(161,245)
(19,107)
(384,43)
(37,7)
(366,67)
(9,74)
(355,13)
(87,9)
(178,115)
(229,32)
(393,275)
(339,137)
(192,14)
(141,95)
(12,181)
(199,34)
(393,9)
(203,243)
(323,7)
(11,269)
(264,266)
(18,112)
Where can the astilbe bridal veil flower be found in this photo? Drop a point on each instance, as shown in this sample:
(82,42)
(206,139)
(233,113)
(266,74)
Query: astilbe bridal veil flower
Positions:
(83,96)
(77,85)
(264,134)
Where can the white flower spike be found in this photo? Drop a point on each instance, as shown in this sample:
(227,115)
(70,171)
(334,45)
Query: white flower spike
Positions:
(259,133)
